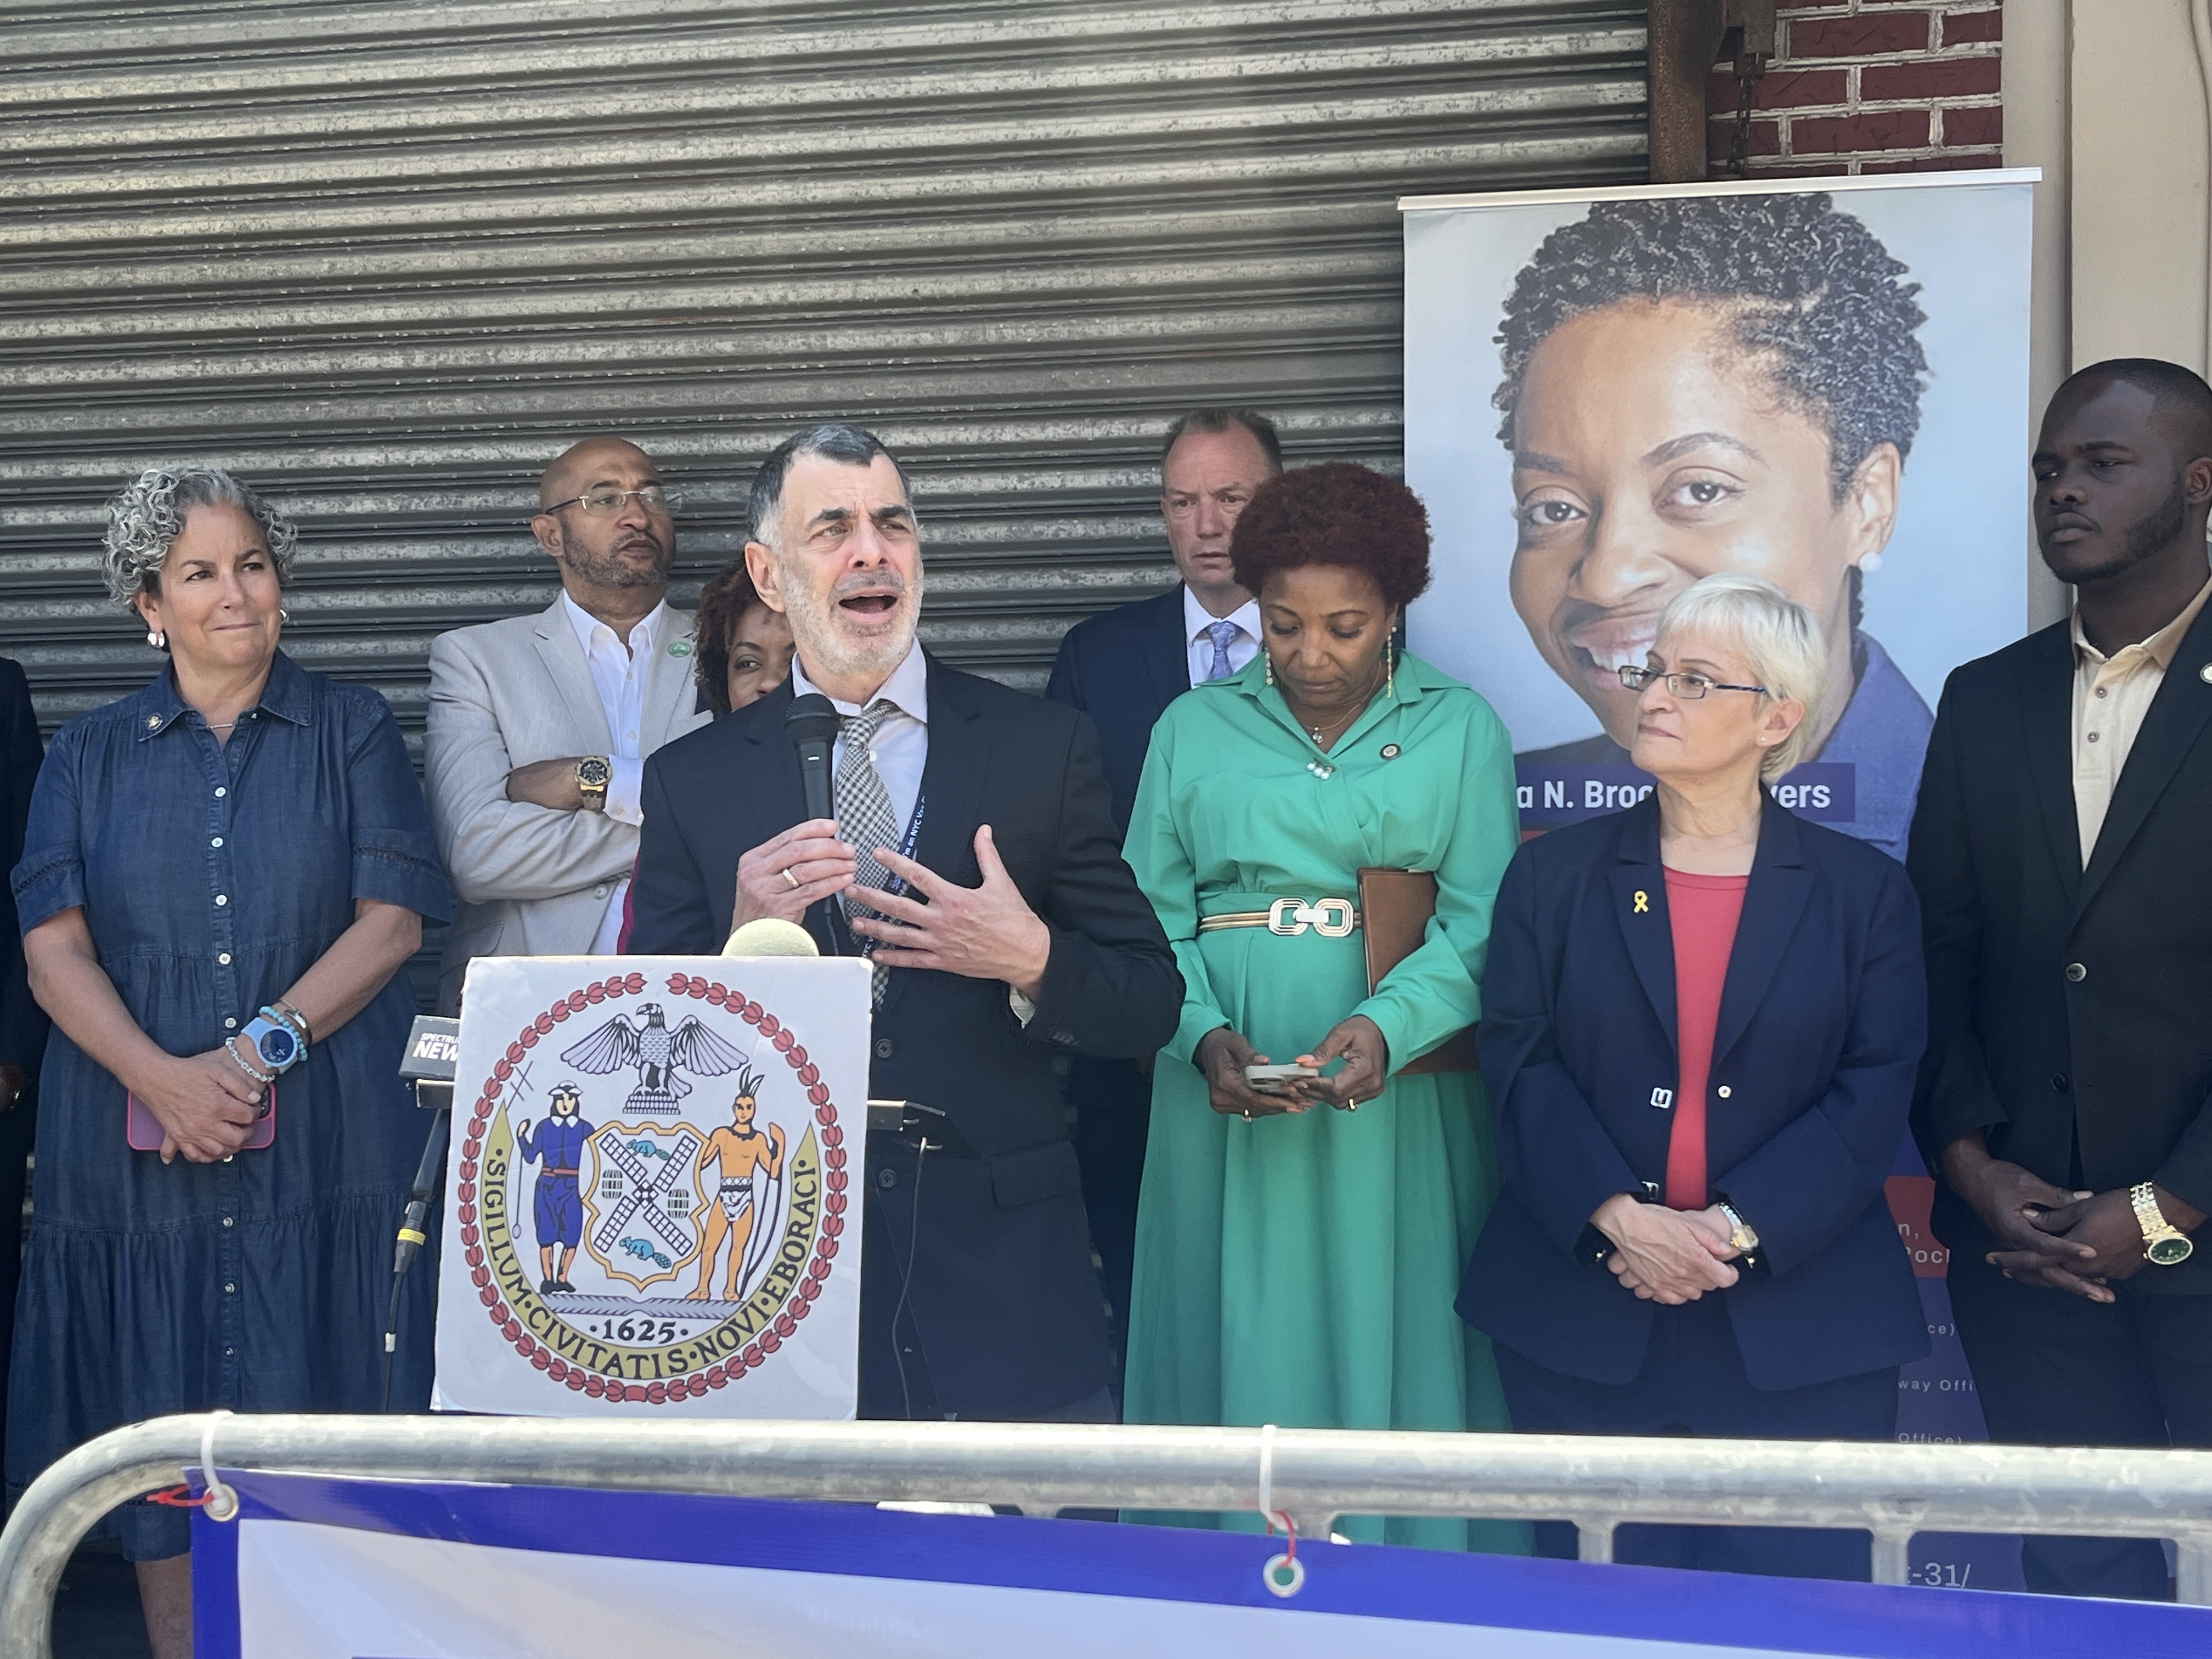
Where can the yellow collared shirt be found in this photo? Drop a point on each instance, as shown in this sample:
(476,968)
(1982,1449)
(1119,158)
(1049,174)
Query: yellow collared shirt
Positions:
(2112,695)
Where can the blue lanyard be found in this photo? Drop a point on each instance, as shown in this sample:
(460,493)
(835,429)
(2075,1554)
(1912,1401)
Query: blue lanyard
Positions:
(907,844)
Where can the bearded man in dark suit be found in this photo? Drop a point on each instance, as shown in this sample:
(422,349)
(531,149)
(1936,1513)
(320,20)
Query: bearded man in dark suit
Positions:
(974,859)
(2065,879)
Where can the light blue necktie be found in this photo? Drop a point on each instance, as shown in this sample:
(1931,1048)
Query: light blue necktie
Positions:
(1220,633)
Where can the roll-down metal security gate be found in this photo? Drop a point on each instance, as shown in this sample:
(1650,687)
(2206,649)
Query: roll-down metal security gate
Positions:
(385,259)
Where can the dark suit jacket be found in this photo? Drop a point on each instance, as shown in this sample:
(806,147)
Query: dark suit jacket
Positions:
(22,1024)
(1001,1289)
(2115,1058)
(1822,1018)
(1123,667)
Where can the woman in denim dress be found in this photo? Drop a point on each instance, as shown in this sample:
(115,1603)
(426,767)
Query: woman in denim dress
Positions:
(222,877)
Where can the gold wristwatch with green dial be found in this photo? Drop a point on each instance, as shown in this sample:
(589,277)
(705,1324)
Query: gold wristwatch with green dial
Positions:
(2164,1243)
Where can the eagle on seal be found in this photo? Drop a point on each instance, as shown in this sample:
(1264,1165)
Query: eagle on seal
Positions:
(658,1053)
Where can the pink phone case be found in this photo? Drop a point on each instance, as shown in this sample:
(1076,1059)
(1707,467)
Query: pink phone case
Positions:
(144,1133)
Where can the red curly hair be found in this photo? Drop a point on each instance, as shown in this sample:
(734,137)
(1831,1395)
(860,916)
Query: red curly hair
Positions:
(1335,513)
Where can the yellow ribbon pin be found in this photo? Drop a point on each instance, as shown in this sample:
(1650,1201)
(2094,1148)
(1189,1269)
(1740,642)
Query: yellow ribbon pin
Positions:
(1643,902)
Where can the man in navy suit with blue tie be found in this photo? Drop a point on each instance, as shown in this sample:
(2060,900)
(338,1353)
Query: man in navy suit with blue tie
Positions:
(1123,667)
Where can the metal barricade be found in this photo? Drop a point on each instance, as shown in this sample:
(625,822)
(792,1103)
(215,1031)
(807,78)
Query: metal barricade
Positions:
(1314,1476)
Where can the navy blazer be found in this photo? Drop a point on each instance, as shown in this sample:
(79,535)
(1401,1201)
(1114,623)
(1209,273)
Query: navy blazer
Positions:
(1002,1289)
(2067,1005)
(1823,1017)
(1123,667)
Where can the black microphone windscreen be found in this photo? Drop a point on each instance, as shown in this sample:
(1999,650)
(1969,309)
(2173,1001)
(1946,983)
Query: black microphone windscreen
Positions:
(810,719)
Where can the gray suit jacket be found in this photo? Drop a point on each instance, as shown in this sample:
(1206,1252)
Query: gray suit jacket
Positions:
(531,882)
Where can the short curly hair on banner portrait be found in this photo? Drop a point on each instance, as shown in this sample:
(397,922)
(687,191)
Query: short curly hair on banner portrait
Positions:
(1812,293)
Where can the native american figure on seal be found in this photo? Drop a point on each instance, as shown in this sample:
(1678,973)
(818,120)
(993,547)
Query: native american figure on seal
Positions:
(742,1209)
(658,1053)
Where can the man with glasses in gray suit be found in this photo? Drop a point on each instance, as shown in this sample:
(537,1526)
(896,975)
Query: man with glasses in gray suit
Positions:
(539,725)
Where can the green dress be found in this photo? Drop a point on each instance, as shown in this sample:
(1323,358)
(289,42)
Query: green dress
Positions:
(1300,1270)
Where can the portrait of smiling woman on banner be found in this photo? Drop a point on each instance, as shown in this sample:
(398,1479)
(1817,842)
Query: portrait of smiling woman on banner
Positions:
(1693,384)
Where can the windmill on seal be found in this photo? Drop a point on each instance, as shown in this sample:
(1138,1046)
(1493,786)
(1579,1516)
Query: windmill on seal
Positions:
(658,1053)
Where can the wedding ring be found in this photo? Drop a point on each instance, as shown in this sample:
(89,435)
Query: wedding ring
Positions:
(792,879)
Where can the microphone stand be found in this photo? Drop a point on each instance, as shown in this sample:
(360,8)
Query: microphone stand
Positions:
(433,1048)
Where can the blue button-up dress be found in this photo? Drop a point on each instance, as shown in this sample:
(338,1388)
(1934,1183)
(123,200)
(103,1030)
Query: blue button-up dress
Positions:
(212,876)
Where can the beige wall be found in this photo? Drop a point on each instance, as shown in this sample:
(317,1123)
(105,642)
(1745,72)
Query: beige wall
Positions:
(2109,98)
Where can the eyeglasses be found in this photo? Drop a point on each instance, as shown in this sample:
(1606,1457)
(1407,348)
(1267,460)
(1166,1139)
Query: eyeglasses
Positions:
(1688,687)
(606,503)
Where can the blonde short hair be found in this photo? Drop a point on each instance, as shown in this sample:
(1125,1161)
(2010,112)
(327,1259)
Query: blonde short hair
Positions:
(1775,637)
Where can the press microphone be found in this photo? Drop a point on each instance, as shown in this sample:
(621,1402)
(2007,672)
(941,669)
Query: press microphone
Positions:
(811,723)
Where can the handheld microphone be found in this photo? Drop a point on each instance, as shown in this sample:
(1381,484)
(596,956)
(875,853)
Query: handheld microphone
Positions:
(811,723)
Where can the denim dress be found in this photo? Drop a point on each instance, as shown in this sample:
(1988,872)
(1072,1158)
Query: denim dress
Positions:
(212,876)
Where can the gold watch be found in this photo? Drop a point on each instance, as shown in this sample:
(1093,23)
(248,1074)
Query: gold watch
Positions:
(2164,1243)
(1741,1236)
(593,774)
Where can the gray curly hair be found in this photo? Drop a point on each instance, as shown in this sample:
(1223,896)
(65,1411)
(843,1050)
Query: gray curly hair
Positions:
(146,519)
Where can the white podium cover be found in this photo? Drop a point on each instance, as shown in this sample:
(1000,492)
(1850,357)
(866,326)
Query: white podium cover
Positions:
(680,1124)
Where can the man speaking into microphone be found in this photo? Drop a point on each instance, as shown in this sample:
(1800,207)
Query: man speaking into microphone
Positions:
(971,855)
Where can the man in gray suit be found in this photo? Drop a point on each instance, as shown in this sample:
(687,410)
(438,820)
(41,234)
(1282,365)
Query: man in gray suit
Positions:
(540,725)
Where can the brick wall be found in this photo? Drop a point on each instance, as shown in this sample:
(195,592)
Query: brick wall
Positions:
(1870,86)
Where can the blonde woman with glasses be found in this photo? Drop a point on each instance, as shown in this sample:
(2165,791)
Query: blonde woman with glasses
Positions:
(1700,1022)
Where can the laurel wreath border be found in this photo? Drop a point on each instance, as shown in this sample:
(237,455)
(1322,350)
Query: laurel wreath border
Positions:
(785,1326)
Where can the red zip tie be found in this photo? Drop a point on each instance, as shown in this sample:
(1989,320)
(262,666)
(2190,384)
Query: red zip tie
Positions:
(181,1497)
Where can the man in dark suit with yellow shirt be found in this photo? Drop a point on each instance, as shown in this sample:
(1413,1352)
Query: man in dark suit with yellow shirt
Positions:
(2060,853)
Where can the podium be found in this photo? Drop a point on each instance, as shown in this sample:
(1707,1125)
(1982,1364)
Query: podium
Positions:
(650,1211)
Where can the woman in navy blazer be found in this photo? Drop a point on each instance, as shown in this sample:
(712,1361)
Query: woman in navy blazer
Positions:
(1698,1103)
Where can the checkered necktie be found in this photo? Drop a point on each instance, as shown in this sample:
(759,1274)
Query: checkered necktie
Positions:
(864,815)
(1220,633)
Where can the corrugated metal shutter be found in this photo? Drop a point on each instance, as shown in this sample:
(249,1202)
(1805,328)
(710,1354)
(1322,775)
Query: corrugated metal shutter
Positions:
(384,261)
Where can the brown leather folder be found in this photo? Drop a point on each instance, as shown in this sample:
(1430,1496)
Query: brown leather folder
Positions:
(1395,907)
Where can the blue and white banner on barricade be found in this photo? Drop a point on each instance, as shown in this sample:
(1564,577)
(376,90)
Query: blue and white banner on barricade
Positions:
(324,1569)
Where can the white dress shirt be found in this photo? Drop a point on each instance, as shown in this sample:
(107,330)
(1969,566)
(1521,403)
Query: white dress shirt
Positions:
(902,748)
(2112,695)
(1196,619)
(618,673)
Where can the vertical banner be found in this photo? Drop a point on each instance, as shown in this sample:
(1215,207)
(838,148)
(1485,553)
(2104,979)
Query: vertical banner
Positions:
(649,1208)
(1612,393)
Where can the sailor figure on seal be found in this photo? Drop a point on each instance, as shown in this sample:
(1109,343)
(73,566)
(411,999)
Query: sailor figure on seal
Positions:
(556,1206)
(750,1164)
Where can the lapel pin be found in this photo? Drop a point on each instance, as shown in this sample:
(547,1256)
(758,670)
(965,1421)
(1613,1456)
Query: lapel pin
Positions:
(153,721)
(1662,1098)
(1643,901)
(679,647)
(1391,752)
(2205,673)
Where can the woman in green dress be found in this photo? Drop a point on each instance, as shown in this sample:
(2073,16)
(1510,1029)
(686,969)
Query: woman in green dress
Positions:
(1298,1253)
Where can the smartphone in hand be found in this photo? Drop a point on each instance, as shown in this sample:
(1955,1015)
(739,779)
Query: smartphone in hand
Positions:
(143,1131)
(1271,1079)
